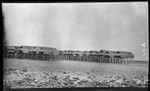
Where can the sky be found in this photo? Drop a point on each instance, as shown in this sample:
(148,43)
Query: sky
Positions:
(79,26)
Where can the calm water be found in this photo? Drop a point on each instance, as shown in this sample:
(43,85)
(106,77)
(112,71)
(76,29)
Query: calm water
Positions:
(78,67)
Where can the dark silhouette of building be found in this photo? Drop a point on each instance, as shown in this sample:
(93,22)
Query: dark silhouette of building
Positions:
(47,53)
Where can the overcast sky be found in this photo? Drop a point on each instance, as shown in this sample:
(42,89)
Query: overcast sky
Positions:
(79,26)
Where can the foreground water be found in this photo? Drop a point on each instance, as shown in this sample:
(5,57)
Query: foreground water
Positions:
(79,73)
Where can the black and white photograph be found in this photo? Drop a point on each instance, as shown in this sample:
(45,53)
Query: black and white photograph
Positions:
(75,45)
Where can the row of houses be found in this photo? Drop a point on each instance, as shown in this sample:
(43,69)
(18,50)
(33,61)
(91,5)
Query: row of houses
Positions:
(29,52)
(47,53)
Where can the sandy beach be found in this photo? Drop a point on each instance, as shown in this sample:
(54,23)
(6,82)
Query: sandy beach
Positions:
(23,73)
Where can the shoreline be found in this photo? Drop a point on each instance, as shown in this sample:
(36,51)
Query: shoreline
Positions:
(22,74)
(20,79)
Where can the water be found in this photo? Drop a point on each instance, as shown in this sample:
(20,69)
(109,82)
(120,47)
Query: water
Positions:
(78,67)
